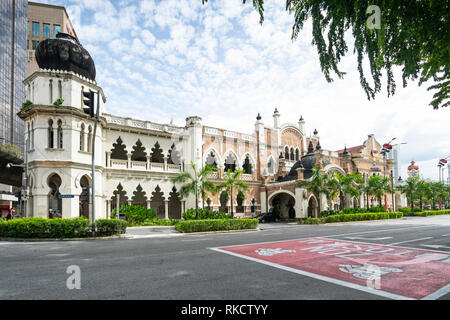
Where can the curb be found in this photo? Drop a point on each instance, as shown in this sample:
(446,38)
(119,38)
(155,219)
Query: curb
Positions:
(220,231)
(64,239)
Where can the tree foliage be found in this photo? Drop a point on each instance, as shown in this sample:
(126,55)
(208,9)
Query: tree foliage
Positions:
(412,34)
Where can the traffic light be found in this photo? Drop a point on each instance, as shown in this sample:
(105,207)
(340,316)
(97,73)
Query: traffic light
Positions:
(89,103)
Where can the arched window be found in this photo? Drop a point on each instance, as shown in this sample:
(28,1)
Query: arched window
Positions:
(286,153)
(82,137)
(211,160)
(89,139)
(230,162)
(297,154)
(50,134)
(292,154)
(60,134)
(247,166)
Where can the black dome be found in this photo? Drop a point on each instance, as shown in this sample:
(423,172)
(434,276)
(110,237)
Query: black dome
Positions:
(65,53)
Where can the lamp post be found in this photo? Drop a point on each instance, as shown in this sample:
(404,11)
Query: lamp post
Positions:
(265,175)
(387,147)
(441,165)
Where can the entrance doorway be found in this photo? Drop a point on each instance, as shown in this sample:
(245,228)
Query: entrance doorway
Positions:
(283,206)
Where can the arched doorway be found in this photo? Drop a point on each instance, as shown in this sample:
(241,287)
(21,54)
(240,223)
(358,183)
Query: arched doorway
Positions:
(157,203)
(283,206)
(85,196)
(174,204)
(313,207)
(54,202)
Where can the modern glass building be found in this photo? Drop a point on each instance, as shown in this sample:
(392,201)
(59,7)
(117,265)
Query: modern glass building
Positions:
(13,63)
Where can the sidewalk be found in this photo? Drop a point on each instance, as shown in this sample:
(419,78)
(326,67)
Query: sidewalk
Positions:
(151,232)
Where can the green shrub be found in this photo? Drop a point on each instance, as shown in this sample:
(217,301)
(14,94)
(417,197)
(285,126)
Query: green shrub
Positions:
(204,214)
(160,222)
(109,227)
(377,209)
(59,228)
(216,225)
(135,215)
(312,221)
(431,213)
(354,217)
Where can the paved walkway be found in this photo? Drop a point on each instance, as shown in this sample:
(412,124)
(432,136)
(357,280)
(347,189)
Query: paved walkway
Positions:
(151,232)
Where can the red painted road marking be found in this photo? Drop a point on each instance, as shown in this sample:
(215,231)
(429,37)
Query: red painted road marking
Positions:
(382,269)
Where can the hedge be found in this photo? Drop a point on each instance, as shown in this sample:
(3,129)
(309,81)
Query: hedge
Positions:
(353,217)
(431,213)
(59,228)
(204,214)
(216,225)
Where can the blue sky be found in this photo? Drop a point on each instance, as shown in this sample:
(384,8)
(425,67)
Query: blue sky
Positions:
(166,60)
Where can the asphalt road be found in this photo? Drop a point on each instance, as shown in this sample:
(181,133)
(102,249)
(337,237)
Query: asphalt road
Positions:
(185,267)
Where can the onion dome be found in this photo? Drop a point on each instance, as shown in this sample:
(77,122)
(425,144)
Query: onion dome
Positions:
(258,117)
(276,111)
(301,118)
(315,132)
(413,166)
(310,147)
(65,53)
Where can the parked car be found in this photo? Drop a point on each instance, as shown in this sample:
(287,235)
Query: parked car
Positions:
(267,217)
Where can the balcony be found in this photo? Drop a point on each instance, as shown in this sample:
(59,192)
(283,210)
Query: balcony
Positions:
(142,166)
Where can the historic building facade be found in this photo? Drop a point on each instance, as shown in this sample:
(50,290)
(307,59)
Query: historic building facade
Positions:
(135,159)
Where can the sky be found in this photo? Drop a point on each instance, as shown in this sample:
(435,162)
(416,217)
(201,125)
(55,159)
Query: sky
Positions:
(165,60)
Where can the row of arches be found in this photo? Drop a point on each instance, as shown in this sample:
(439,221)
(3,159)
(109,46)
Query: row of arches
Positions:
(52,141)
(292,154)
(155,200)
(139,152)
(238,204)
(230,161)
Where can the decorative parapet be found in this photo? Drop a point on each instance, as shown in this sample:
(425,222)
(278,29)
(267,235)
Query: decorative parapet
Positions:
(140,124)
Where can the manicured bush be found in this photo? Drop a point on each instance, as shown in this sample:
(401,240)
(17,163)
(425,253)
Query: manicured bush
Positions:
(377,209)
(354,217)
(160,222)
(204,214)
(431,213)
(109,227)
(58,228)
(135,215)
(216,225)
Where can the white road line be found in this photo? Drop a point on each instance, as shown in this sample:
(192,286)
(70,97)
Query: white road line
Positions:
(438,293)
(319,277)
(413,240)
(446,235)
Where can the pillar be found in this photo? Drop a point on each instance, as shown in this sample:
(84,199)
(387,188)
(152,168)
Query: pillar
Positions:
(166,209)
(108,158)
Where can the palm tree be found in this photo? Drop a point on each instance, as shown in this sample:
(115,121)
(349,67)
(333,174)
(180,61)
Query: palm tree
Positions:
(231,180)
(344,184)
(410,189)
(319,183)
(378,187)
(197,183)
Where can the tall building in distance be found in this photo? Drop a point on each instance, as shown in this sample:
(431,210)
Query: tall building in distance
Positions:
(13,50)
(44,21)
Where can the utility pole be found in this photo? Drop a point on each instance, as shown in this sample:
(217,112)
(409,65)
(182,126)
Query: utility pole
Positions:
(93,159)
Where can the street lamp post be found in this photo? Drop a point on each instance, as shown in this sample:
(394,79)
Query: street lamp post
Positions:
(387,147)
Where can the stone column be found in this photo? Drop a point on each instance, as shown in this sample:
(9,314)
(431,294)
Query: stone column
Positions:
(108,158)
(148,162)
(148,204)
(165,163)
(129,160)
(108,209)
(166,209)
